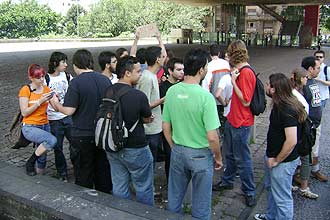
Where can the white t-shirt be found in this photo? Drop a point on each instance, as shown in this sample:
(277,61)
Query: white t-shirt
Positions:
(60,85)
(301,99)
(227,91)
(214,66)
(324,89)
(114,78)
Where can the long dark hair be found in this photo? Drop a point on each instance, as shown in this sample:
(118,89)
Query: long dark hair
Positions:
(283,96)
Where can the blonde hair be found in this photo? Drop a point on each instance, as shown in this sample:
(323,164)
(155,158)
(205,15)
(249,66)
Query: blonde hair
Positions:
(237,52)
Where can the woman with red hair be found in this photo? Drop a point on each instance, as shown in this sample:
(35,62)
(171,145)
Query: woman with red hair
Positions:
(33,102)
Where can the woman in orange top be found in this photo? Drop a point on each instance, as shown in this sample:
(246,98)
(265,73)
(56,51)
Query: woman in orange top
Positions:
(33,102)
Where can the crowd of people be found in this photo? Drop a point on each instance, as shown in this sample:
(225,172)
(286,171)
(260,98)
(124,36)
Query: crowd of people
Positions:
(184,108)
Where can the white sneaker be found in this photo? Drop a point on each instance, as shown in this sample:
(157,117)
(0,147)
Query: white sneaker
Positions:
(308,193)
(295,188)
(260,217)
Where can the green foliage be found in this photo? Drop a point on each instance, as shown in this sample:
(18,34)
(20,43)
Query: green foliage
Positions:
(72,19)
(27,19)
(112,17)
(293,13)
(325,18)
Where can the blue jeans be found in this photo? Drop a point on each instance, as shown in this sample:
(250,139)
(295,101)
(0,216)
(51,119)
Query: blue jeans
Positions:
(136,165)
(186,164)
(324,103)
(238,157)
(278,183)
(40,134)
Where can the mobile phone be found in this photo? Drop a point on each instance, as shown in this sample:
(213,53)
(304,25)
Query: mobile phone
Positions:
(51,94)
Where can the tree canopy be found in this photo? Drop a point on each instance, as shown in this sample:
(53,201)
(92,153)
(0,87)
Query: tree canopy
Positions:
(27,19)
(113,17)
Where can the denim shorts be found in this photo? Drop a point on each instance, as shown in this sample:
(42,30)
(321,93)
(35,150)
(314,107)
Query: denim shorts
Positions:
(39,134)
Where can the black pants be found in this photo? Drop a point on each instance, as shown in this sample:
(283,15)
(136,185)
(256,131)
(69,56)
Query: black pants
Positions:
(90,164)
(167,154)
(222,119)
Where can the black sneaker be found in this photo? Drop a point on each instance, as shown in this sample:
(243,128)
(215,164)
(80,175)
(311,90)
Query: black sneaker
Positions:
(260,217)
(30,170)
(219,186)
(250,201)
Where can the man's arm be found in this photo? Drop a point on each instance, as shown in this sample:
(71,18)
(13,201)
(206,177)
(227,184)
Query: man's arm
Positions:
(213,139)
(159,38)
(288,146)
(134,46)
(60,108)
(157,102)
(167,130)
(324,82)
(219,97)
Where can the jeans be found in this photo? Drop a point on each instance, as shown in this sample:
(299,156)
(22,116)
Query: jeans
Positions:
(60,128)
(196,165)
(90,164)
(278,183)
(136,165)
(40,134)
(324,103)
(154,141)
(238,157)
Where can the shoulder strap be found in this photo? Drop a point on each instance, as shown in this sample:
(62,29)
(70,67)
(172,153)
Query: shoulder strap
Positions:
(67,77)
(325,70)
(122,92)
(47,79)
(118,95)
(31,90)
(249,67)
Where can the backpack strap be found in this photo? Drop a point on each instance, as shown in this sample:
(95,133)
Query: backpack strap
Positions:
(47,79)
(325,71)
(118,95)
(67,75)
(249,67)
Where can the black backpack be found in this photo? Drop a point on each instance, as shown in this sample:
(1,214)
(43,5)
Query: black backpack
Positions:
(15,135)
(258,102)
(110,130)
(307,137)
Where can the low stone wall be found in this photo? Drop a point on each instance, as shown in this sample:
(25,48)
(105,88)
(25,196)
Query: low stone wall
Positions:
(43,197)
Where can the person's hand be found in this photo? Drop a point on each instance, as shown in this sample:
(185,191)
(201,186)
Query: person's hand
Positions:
(217,163)
(45,97)
(149,120)
(234,74)
(272,162)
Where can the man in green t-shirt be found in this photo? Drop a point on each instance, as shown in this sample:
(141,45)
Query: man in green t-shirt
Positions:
(190,123)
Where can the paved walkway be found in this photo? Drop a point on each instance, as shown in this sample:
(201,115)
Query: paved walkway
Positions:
(228,205)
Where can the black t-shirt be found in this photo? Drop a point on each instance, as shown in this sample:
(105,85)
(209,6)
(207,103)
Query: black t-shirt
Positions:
(313,98)
(134,105)
(163,87)
(85,93)
(279,120)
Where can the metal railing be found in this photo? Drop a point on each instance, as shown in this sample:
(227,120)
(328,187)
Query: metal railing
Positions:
(224,38)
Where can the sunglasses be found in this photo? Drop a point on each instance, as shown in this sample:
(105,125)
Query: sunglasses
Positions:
(319,57)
